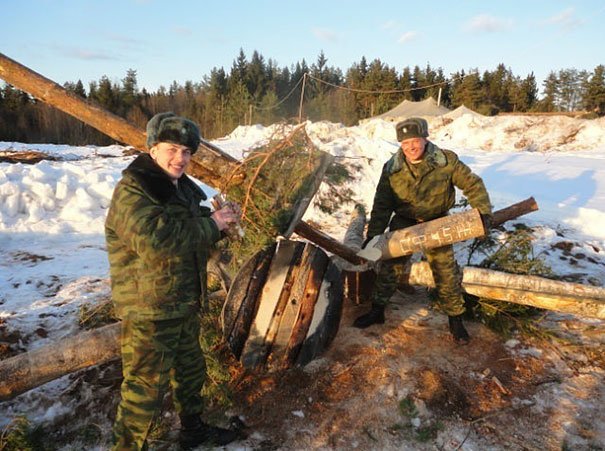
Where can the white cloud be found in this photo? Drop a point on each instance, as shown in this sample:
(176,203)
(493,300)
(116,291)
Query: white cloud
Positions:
(84,54)
(388,25)
(566,19)
(407,37)
(323,34)
(484,23)
(183,31)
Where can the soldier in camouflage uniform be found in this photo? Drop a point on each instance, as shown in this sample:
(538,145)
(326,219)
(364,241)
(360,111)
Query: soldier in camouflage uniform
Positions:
(158,238)
(416,185)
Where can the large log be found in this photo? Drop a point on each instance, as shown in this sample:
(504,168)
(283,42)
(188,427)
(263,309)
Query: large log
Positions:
(426,235)
(514,211)
(520,289)
(210,163)
(23,372)
(357,283)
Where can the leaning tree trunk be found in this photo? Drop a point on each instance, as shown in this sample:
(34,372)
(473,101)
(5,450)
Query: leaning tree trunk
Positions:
(209,164)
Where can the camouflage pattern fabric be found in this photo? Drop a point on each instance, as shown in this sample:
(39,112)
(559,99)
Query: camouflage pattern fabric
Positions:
(408,194)
(392,273)
(156,354)
(158,239)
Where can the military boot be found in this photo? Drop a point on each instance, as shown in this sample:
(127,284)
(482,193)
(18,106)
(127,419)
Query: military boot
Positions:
(374,316)
(194,432)
(458,330)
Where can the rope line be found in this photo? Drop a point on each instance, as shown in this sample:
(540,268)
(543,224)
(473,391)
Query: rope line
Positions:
(282,100)
(365,91)
(392,91)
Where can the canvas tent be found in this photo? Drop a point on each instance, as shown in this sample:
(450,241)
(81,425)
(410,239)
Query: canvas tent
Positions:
(460,111)
(425,108)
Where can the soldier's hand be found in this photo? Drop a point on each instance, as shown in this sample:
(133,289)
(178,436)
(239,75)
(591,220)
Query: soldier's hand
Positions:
(225,216)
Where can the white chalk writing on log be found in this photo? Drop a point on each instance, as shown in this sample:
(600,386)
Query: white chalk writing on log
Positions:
(410,244)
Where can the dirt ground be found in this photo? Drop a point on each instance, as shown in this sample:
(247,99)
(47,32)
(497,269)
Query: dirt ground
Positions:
(406,385)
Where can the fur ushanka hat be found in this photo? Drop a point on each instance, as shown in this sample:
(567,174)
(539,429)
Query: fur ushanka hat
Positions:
(168,127)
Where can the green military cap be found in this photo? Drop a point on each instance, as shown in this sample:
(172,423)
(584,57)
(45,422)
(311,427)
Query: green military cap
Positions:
(168,127)
(413,127)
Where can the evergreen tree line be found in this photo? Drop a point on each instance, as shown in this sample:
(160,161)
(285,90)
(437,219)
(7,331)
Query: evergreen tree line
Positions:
(256,90)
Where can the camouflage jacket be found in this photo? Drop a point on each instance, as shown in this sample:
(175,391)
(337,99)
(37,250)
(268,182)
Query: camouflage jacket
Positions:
(158,238)
(425,191)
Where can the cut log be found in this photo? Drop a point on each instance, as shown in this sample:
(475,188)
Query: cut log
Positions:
(520,289)
(349,254)
(25,157)
(209,164)
(427,235)
(299,278)
(25,371)
(357,282)
(514,211)
(325,241)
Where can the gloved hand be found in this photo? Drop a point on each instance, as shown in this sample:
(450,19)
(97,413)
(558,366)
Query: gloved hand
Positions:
(226,215)
(486,219)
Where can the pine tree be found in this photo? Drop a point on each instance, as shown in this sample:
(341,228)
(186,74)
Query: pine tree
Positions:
(550,96)
(469,92)
(594,93)
(569,83)
(418,82)
(406,83)
(130,91)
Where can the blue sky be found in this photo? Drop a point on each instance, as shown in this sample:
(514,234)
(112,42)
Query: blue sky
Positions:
(183,40)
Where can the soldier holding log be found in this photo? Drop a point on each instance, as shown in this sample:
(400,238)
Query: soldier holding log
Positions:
(418,184)
(158,237)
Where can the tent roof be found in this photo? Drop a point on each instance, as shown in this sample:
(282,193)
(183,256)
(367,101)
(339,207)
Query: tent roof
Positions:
(461,110)
(426,107)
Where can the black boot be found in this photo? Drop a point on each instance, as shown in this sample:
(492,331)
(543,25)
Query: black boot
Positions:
(458,330)
(194,432)
(374,316)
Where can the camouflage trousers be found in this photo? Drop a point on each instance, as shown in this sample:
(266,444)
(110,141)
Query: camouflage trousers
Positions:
(156,355)
(446,273)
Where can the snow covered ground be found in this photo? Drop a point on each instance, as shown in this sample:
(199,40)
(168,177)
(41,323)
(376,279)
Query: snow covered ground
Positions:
(52,252)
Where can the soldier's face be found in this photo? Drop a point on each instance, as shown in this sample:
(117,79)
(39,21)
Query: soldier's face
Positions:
(413,148)
(172,158)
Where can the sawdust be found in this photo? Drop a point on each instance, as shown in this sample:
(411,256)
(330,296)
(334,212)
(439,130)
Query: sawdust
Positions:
(492,394)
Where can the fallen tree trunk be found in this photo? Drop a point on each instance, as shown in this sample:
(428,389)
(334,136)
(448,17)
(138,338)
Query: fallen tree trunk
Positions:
(514,211)
(520,289)
(209,164)
(25,371)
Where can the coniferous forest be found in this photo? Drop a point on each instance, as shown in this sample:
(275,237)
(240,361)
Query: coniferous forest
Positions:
(256,90)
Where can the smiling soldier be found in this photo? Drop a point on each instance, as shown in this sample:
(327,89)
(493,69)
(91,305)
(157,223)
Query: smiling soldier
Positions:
(418,184)
(158,237)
